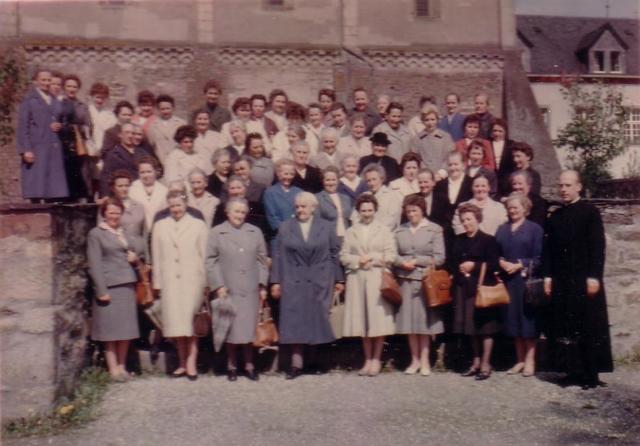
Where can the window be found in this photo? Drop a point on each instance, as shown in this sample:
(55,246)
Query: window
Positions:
(606,61)
(599,61)
(546,117)
(614,57)
(427,9)
(632,127)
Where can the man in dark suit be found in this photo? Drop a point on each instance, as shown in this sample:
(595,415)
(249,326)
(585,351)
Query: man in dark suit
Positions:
(573,267)
(218,115)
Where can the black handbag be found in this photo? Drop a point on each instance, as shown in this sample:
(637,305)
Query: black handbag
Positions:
(534,292)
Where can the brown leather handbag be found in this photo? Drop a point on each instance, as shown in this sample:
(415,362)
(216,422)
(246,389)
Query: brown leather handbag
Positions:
(202,319)
(266,331)
(490,296)
(81,148)
(144,292)
(389,288)
(436,285)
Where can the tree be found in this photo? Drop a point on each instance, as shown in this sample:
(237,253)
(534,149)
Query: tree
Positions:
(12,83)
(595,134)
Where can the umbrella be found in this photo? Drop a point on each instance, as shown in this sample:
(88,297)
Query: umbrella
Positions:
(222,314)
(154,313)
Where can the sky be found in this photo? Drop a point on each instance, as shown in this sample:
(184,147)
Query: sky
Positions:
(579,8)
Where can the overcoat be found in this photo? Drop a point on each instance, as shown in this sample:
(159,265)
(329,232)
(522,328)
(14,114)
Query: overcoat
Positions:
(278,204)
(178,249)
(236,259)
(454,126)
(574,250)
(119,158)
(400,139)
(161,133)
(44,178)
(327,209)
(153,202)
(433,148)
(307,272)
(367,313)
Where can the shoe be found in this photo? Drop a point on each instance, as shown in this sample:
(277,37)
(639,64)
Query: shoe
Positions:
(232,375)
(471,372)
(424,371)
(412,370)
(192,377)
(293,373)
(252,375)
(375,369)
(118,379)
(483,376)
(528,373)
(516,369)
(178,375)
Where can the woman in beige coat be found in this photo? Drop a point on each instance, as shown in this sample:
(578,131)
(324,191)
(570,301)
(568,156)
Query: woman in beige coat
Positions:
(178,251)
(368,247)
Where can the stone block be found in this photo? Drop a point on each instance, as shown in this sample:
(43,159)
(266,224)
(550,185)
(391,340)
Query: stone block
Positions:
(27,400)
(627,233)
(38,320)
(29,226)
(27,359)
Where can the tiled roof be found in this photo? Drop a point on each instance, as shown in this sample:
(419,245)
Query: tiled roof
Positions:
(554,42)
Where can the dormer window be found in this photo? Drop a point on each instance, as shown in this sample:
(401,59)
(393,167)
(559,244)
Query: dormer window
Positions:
(606,61)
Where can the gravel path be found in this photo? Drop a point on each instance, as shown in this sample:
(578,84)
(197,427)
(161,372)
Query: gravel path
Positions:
(344,409)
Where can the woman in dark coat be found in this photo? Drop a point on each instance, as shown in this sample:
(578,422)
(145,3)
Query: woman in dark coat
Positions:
(305,275)
(520,243)
(502,147)
(470,251)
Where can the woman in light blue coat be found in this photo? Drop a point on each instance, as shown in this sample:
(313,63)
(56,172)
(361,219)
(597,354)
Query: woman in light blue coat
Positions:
(332,205)
(278,199)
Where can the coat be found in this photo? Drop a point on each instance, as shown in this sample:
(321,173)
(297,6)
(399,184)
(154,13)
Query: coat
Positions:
(45,177)
(371,118)
(505,167)
(119,158)
(161,133)
(494,215)
(348,145)
(490,175)
(312,181)
(453,126)
(236,260)
(488,162)
(178,164)
(434,148)
(400,140)
(389,164)
(207,204)
(426,247)
(217,116)
(307,272)
(178,249)
(322,160)
(327,209)
(262,171)
(152,203)
(367,313)
(574,250)
(278,204)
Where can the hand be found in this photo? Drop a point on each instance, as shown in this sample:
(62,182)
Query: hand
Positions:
(547,284)
(408,265)
(104,298)
(55,126)
(99,201)
(437,177)
(262,294)
(132,257)
(466,267)
(593,286)
(338,287)
(276,292)
(29,157)
(510,267)
(222,292)
(363,261)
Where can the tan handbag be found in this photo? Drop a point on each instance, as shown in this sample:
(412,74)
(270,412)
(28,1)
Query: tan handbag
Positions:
(81,148)
(266,331)
(436,285)
(202,319)
(389,288)
(336,316)
(490,296)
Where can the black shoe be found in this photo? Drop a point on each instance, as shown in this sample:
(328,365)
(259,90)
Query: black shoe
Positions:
(471,372)
(178,375)
(232,375)
(253,375)
(192,377)
(293,373)
(483,376)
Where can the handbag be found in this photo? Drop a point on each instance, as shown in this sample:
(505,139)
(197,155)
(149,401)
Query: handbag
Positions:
(81,148)
(266,331)
(336,316)
(144,292)
(202,319)
(490,296)
(534,292)
(389,288)
(436,286)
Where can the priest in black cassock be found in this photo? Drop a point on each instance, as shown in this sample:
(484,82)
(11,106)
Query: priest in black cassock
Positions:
(572,267)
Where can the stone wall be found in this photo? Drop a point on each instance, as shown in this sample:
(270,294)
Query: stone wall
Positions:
(43,322)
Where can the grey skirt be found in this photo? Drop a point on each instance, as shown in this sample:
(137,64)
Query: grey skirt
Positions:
(413,316)
(116,320)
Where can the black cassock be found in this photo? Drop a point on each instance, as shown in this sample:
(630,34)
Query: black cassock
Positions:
(574,250)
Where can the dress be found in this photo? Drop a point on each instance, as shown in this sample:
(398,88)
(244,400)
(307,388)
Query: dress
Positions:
(425,246)
(178,271)
(112,274)
(525,245)
(467,319)
(367,313)
(307,271)
(236,259)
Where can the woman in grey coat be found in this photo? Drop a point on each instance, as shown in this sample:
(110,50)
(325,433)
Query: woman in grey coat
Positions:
(420,244)
(111,253)
(305,275)
(236,265)
(332,205)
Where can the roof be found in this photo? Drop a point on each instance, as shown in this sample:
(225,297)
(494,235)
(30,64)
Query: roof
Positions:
(556,42)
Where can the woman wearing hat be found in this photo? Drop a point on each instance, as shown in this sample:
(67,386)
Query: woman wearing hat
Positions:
(379,145)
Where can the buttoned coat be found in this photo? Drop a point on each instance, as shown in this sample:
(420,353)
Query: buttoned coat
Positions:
(152,203)
(178,249)
(426,246)
(433,147)
(327,209)
(45,177)
(207,204)
(307,272)
(236,260)
(119,158)
(389,208)
(367,313)
(278,204)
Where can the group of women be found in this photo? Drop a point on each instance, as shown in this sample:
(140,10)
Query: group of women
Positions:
(327,225)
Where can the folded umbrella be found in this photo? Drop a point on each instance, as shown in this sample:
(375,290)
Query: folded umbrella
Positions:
(222,315)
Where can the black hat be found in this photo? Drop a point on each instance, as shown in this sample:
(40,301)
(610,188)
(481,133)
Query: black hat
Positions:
(380,139)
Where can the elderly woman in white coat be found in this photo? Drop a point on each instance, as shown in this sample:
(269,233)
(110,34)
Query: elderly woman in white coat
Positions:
(389,202)
(200,198)
(178,247)
(236,266)
(420,244)
(368,247)
(148,191)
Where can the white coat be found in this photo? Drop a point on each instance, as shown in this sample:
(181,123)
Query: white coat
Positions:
(153,202)
(178,249)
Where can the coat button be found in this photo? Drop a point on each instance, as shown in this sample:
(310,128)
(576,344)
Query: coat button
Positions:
(177,260)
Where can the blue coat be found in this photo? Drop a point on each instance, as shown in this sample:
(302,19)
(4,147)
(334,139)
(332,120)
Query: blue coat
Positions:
(45,178)
(279,204)
(455,128)
(307,272)
(327,209)
(353,194)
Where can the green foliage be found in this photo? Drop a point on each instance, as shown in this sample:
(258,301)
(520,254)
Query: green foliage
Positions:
(69,412)
(12,82)
(595,134)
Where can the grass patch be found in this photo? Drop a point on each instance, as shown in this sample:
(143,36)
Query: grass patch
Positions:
(73,411)
(631,358)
